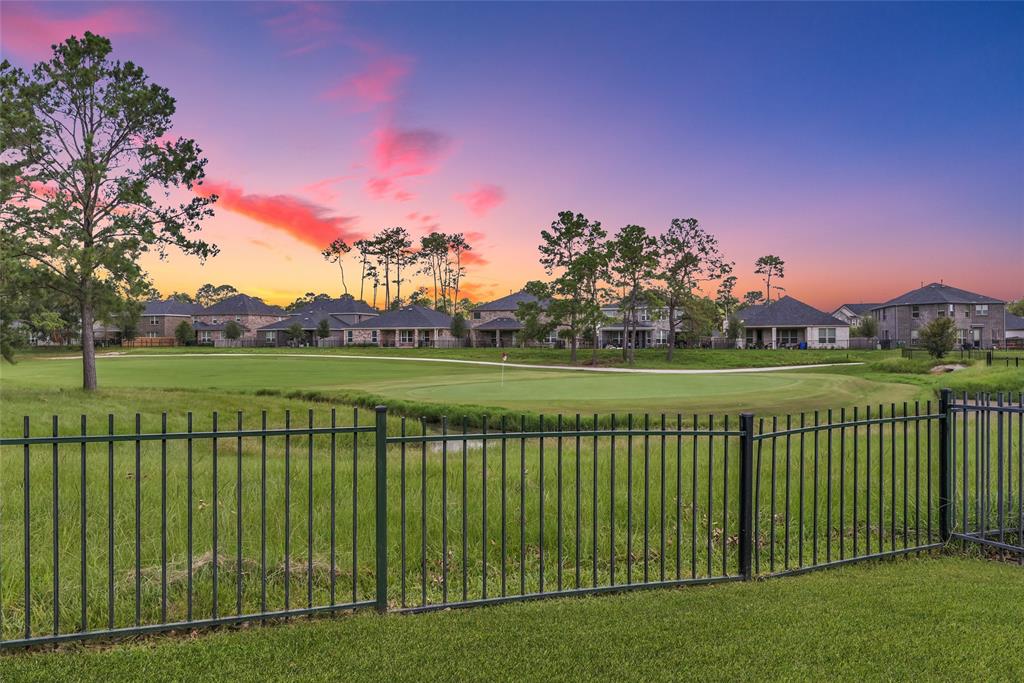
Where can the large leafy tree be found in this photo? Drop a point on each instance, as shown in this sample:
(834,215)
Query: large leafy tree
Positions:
(87,176)
(570,237)
(209,294)
(689,255)
(633,265)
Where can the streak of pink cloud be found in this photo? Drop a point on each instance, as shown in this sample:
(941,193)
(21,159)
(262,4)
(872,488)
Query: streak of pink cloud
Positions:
(305,26)
(305,221)
(481,199)
(322,190)
(399,152)
(28,31)
(377,85)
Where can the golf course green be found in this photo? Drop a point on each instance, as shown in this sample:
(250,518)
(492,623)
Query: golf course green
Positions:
(528,389)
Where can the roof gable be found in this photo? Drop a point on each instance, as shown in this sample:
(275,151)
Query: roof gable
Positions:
(308,321)
(939,293)
(787,312)
(856,309)
(409,317)
(170,307)
(242,304)
(507,303)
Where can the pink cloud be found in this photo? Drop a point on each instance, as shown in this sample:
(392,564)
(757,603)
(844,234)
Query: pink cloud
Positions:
(305,221)
(482,199)
(401,152)
(322,189)
(304,26)
(29,31)
(378,84)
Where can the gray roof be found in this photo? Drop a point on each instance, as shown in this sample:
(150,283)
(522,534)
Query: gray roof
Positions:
(857,309)
(200,325)
(343,304)
(242,304)
(170,307)
(938,293)
(507,303)
(308,321)
(407,317)
(500,324)
(787,312)
(1014,322)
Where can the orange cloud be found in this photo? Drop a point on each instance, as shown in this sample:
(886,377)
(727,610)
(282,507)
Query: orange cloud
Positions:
(28,31)
(473,258)
(481,199)
(305,221)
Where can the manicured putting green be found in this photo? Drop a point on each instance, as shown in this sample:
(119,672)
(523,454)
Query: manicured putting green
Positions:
(521,389)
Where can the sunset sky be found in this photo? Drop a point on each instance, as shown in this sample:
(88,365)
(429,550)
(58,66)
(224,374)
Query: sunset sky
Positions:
(872,146)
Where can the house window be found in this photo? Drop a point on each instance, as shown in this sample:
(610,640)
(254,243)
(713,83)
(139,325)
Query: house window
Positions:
(643,315)
(914,335)
(154,321)
(238,318)
(373,336)
(406,336)
(826,335)
(967,311)
(553,337)
(885,314)
(348,336)
(789,337)
(476,315)
(270,336)
(661,336)
(915,311)
(152,335)
(941,311)
(981,309)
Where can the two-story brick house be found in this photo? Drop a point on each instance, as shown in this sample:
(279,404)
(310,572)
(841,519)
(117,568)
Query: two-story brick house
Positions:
(853,314)
(161,318)
(248,311)
(341,314)
(495,323)
(979,319)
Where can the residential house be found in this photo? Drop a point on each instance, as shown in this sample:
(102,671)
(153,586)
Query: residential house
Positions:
(789,323)
(1014,328)
(248,311)
(211,333)
(340,314)
(853,314)
(161,318)
(651,327)
(406,327)
(495,323)
(978,318)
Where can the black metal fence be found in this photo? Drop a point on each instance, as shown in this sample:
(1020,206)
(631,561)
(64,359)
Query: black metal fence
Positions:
(107,531)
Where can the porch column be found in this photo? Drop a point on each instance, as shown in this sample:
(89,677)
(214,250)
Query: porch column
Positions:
(773,338)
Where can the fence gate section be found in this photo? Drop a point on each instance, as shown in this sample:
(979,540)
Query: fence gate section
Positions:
(986,459)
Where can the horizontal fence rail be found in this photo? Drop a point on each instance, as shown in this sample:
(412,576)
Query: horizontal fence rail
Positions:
(126,526)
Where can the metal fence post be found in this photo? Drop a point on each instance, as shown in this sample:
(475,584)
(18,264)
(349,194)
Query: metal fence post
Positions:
(988,358)
(381,475)
(945,466)
(746,494)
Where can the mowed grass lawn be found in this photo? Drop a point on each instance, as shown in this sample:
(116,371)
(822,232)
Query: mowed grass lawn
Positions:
(528,390)
(930,618)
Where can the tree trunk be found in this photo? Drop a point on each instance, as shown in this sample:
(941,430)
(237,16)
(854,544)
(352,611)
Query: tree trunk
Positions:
(341,267)
(593,353)
(572,349)
(671,331)
(88,348)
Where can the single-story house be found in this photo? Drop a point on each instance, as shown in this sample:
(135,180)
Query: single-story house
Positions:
(789,323)
(279,333)
(248,311)
(852,314)
(978,318)
(1014,326)
(407,327)
(345,308)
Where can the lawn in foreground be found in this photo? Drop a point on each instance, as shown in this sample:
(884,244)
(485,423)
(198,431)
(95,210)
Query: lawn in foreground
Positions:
(543,391)
(929,618)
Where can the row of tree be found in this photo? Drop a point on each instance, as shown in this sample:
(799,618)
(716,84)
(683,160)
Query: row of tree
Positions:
(636,270)
(391,258)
